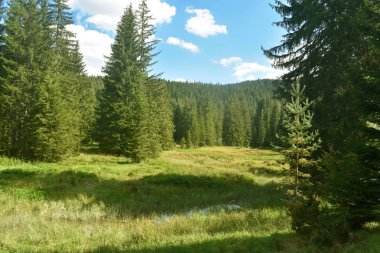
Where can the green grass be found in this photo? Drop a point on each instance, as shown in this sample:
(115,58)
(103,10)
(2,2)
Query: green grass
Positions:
(214,199)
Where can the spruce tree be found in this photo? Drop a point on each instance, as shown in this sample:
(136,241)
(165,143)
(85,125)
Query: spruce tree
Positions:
(123,109)
(210,131)
(260,126)
(331,46)
(233,125)
(160,127)
(32,110)
(80,96)
(275,122)
(299,141)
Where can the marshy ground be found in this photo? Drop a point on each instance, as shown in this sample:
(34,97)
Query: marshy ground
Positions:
(215,199)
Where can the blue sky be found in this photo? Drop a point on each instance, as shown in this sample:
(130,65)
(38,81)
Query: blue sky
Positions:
(201,40)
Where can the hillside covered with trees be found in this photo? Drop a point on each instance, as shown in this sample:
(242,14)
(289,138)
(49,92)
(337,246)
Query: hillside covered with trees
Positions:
(244,114)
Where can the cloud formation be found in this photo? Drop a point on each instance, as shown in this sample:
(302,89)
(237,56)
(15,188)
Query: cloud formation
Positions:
(244,71)
(229,61)
(183,44)
(203,23)
(105,14)
(94,46)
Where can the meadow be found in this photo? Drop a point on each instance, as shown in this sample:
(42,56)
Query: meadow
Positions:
(214,199)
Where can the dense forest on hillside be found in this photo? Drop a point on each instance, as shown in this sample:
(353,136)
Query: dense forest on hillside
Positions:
(244,114)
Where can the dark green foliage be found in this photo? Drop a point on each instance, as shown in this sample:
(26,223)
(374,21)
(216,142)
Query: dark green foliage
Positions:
(318,223)
(233,125)
(31,105)
(44,96)
(260,125)
(134,114)
(203,113)
(333,47)
(160,127)
(79,94)
(299,142)
(123,111)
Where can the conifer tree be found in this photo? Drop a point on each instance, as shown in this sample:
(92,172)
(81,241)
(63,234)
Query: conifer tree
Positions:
(123,115)
(160,127)
(299,141)
(233,125)
(275,122)
(79,95)
(333,52)
(32,113)
(210,131)
(260,126)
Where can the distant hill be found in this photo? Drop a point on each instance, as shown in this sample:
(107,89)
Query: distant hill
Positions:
(241,114)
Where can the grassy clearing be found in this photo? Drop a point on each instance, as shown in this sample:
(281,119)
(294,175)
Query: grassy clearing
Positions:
(213,199)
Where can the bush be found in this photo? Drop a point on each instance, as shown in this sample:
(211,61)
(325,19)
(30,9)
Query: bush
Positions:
(319,223)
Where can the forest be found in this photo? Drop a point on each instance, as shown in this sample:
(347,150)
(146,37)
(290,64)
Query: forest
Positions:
(243,115)
(131,162)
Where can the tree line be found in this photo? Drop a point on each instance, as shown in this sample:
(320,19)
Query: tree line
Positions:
(244,114)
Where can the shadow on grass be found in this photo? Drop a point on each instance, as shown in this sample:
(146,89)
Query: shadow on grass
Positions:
(162,193)
(273,243)
(268,172)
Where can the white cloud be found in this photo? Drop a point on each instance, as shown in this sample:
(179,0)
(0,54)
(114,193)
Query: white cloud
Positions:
(228,61)
(103,22)
(203,23)
(105,14)
(244,71)
(183,44)
(94,47)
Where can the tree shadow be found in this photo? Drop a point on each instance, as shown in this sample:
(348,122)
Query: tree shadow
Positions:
(273,243)
(268,172)
(157,194)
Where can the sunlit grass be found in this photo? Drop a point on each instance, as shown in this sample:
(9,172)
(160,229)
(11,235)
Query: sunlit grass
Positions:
(214,199)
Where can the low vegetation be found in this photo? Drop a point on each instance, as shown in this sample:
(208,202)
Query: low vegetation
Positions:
(213,199)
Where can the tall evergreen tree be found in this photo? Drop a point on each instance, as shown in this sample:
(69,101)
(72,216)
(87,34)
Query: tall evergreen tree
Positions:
(233,125)
(331,46)
(160,127)
(275,122)
(210,131)
(123,115)
(80,96)
(32,109)
(260,126)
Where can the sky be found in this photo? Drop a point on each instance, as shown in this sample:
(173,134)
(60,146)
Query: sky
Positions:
(214,41)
